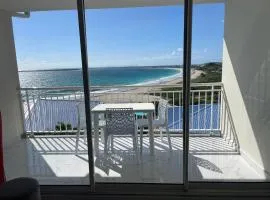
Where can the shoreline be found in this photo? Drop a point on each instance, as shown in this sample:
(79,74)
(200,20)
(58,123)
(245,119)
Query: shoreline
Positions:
(165,80)
(176,80)
(169,80)
(138,94)
(173,80)
(162,80)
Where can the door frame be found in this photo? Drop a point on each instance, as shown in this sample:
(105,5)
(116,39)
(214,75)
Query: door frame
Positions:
(188,4)
(86,90)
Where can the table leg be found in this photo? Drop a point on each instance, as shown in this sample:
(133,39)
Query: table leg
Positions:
(96,141)
(151,133)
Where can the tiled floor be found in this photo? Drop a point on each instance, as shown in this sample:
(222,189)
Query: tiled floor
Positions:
(52,161)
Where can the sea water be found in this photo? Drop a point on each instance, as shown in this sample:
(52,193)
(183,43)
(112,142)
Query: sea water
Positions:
(98,76)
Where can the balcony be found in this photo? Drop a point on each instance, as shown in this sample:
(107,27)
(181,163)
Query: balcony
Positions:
(51,120)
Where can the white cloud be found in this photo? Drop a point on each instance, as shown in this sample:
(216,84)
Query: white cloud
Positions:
(172,57)
(222,21)
(205,50)
(158,57)
(173,53)
(177,52)
(179,49)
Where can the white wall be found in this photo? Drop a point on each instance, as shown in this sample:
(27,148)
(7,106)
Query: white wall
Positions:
(246,76)
(15,151)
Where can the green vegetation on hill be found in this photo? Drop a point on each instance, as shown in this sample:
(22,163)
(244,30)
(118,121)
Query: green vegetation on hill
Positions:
(212,72)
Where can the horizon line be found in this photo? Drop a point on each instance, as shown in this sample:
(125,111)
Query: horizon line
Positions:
(70,69)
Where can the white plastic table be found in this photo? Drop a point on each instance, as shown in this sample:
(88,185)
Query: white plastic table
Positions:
(147,108)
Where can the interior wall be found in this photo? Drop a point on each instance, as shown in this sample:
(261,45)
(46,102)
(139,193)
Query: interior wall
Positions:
(10,104)
(246,76)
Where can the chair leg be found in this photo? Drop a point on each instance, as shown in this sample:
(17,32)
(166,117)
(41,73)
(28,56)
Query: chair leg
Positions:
(102,128)
(111,143)
(85,136)
(134,143)
(136,138)
(161,134)
(169,138)
(141,140)
(77,141)
(102,135)
(135,146)
(106,145)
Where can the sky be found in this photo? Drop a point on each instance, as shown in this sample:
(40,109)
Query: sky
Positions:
(118,37)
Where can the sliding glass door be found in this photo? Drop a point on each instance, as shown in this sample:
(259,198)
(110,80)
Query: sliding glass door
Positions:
(118,119)
(135,68)
(185,130)
(228,121)
(145,103)
(47,53)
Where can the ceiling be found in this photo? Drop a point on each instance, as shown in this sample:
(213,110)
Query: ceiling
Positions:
(43,5)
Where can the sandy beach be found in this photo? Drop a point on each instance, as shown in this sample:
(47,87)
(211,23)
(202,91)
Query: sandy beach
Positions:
(140,93)
(194,74)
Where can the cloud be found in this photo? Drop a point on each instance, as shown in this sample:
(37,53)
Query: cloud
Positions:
(222,21)
(173,53)
(158,57)
(205,50)
(179,49)
(166,56)
(177,52)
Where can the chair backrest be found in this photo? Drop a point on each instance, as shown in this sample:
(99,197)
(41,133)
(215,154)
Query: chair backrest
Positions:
(120,121)
(163,111)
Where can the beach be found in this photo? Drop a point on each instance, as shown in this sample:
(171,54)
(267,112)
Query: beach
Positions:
(140,93)
(103,76)
(110,85)
(177,80)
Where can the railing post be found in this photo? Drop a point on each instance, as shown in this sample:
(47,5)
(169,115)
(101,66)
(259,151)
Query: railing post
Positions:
(173,111)
(192,107)
(220,112)
(29,113)
(212,101)
(199,105)
(205,101)
(41,112)
(179,108)
(22,111)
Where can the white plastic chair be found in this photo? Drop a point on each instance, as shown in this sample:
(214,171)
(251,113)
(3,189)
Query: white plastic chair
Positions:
(160,122)
(120,121)
(82,124)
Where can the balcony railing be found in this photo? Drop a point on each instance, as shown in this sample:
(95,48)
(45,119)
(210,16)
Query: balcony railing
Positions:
(53,110)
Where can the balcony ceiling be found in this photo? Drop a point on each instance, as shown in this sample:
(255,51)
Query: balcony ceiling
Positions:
(43,5)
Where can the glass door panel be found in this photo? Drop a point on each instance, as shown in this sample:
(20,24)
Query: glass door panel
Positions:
(219,111)
(50,98)
(133,66)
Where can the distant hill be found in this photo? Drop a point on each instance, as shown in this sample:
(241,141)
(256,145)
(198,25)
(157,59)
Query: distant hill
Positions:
(212,72)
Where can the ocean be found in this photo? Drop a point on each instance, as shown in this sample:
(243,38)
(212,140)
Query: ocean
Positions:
(98,76)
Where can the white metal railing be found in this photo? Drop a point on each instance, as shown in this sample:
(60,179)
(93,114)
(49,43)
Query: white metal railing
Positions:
(53,110)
